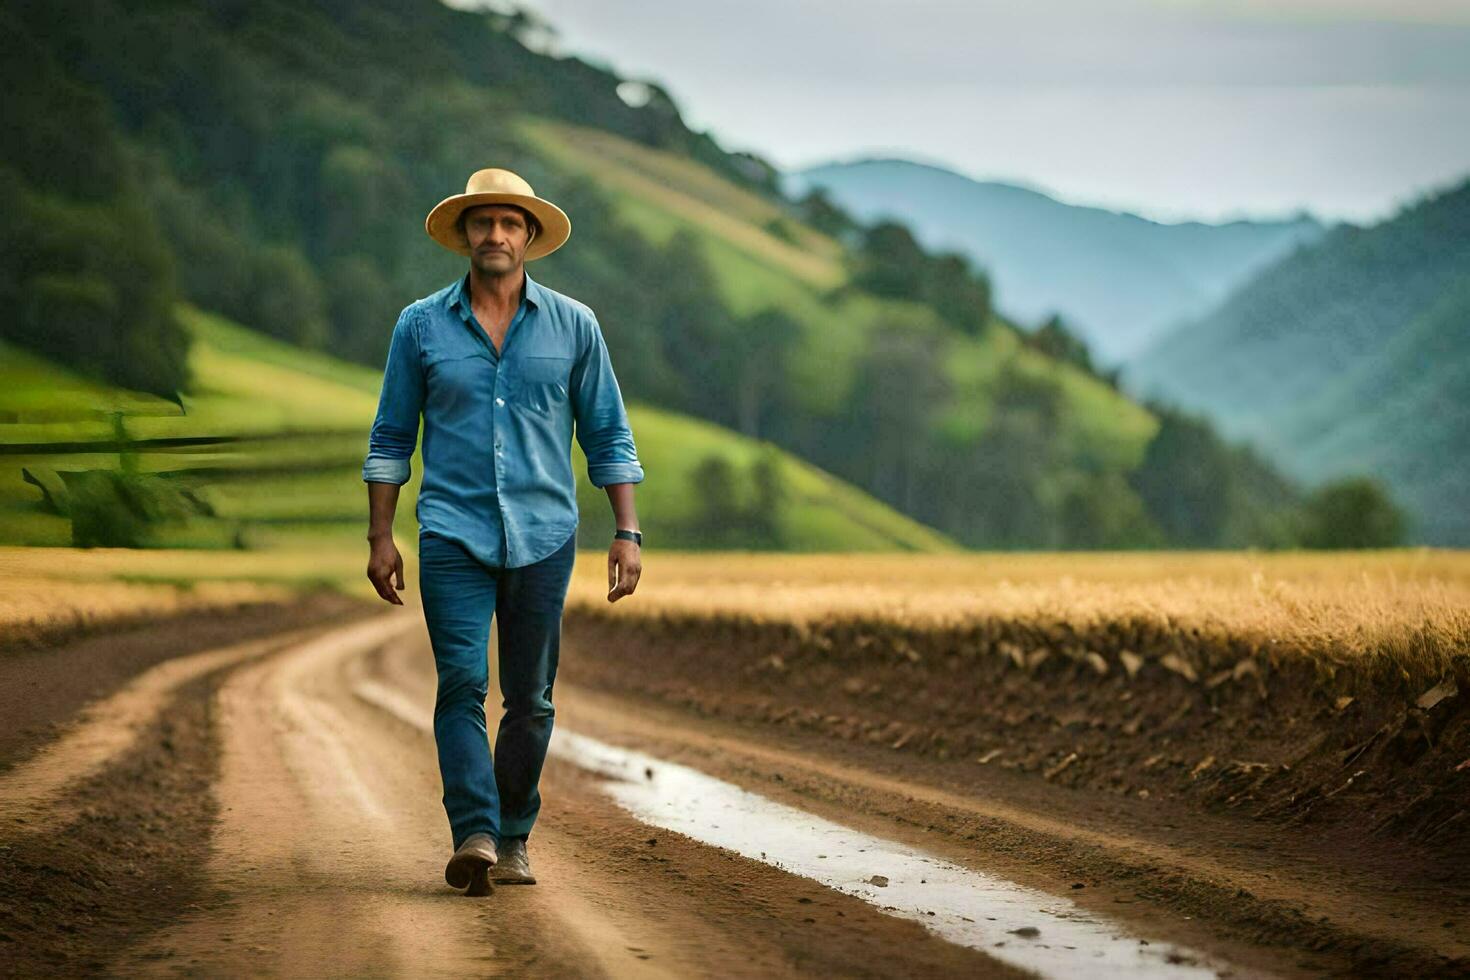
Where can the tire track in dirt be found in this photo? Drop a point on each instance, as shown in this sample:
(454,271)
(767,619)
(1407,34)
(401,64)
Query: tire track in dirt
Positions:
(108,728)
(328,860)
(46,680)
(134,833)
(327,852)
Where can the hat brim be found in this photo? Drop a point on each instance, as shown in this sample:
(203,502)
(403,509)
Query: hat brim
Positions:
(442,224)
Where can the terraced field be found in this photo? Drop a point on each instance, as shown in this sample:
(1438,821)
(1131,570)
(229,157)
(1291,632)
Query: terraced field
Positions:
(271,441)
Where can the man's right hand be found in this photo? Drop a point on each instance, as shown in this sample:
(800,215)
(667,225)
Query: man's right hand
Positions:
(384,564)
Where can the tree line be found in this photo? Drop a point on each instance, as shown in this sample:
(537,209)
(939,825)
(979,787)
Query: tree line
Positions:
(268,168)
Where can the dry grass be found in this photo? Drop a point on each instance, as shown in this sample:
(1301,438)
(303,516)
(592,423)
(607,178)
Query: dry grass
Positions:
(39,607)
(58,589)
(1407,610)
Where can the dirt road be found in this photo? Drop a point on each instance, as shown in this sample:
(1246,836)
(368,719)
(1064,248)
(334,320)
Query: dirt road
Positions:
(274,809)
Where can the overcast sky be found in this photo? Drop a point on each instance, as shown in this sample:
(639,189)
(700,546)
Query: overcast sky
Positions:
(1209,109)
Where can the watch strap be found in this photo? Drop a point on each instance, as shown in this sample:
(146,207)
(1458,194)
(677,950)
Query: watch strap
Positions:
(627,535)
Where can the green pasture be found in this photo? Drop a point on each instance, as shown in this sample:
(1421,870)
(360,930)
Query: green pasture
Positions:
(282,436)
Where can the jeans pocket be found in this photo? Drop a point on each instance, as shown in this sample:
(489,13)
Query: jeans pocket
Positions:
(434,548)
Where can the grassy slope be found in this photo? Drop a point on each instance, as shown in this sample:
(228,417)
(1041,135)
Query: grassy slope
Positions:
(659,193)
(305,416)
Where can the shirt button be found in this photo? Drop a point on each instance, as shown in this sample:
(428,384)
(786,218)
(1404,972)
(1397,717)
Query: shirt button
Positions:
(500,401)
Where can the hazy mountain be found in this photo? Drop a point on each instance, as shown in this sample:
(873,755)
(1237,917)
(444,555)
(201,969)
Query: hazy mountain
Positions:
(1119,279)
(1350,356)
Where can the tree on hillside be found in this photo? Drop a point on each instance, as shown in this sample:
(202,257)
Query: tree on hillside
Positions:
(365,199)
(1101,511)
(961,295)
(1185,480)
(85,275)
(1355,512)
(732,509)
(1265,506)
(900,385)
(761,344)
(699,334)
(1056,339)
(817,209)
(1009,468)
(287,299)
(890,262)
(781,227)
(359,296)
(718,511)
(771,496)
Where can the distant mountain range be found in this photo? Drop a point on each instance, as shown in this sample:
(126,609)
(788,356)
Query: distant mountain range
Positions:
(1120,280)
(1352,356)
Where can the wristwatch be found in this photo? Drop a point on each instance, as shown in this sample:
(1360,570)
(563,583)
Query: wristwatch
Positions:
(635,536)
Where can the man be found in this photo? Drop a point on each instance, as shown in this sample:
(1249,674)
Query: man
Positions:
(501,369)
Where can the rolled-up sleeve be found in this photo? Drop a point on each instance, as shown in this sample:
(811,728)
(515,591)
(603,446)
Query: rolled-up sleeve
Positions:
(602,419)
(395,430)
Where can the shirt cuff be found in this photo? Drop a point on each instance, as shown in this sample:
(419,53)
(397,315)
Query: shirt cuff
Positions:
(602,474)
(380,469)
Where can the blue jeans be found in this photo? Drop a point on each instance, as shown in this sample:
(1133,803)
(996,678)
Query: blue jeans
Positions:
(460,594)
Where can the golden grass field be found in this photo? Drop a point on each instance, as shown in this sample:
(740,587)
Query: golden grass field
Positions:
(51,589)
(1407,608)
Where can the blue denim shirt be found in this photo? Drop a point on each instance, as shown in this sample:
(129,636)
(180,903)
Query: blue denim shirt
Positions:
(498,427)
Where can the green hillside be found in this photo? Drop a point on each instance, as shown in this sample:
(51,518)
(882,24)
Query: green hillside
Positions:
(799,274)
(272,162)
(283,436)
(1351,357)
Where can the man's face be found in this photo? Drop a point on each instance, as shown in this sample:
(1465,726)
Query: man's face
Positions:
(498,237)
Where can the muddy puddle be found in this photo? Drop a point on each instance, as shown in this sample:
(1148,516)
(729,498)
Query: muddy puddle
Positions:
(1037,931)
(1031,929)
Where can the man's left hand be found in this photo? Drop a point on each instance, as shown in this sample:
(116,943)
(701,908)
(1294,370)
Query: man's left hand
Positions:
(623,568)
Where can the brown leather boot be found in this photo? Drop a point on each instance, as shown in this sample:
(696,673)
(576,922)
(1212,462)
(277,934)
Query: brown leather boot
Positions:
(471,862)
(514,867)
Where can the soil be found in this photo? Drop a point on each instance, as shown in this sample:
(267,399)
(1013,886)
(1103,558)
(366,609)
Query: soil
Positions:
(1281,740)
(272,820)
(44,685)
(305,836)
(128,859)
(1344,848)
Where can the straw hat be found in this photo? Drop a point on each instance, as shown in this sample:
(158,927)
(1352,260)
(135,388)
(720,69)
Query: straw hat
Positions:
(496,186)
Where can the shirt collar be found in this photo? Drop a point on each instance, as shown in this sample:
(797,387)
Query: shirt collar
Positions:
(461,295)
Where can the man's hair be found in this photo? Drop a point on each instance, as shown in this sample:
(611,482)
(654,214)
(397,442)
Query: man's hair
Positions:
(533,224)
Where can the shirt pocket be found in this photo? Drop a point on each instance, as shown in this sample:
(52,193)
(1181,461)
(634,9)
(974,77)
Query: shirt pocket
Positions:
(545,379)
